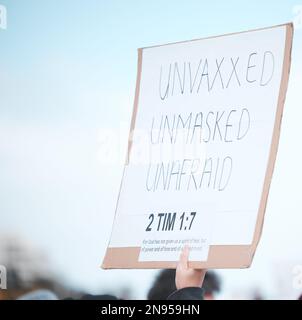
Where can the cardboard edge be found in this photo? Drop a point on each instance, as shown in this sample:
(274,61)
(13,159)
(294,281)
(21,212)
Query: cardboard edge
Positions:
(219,258)
(276,135)
(218,36)
(136,100)
(130,136)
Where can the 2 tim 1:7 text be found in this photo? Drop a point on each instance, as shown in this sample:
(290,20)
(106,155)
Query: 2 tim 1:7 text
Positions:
(170,221)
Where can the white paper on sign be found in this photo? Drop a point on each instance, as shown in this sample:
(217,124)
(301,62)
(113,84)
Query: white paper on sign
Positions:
(159,245)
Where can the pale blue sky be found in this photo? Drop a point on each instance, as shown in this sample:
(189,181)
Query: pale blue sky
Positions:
(67,71)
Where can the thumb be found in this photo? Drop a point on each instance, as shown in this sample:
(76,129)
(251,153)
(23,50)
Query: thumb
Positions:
(184,256)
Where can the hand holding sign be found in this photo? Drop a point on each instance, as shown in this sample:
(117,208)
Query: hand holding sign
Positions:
(187,277)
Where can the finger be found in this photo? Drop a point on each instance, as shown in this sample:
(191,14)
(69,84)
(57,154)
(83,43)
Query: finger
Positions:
(184,256)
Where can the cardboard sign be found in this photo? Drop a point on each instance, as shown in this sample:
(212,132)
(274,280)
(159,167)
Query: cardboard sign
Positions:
(202,148)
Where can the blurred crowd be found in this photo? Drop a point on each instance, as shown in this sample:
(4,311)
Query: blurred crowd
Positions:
(34,286)
(27,279)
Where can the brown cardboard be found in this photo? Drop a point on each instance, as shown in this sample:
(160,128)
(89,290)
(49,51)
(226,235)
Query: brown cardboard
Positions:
(240,256)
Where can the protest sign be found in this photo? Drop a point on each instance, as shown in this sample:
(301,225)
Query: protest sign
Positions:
(202,147)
